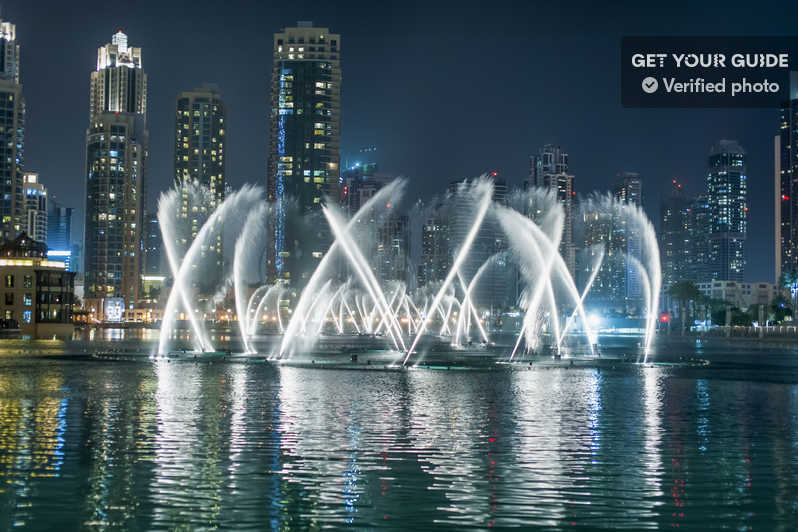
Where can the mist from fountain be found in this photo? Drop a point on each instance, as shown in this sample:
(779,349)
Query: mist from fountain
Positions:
(168,206)
(636,225)
(246,257)
(366,275)
(230,209)
(533,225)
(292,335)
(275,292)
(482,189)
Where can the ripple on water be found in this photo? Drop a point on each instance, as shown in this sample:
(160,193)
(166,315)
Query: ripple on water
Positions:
(92,445)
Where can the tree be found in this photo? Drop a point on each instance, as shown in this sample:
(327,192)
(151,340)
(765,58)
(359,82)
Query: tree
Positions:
(780,308)
(684,292)
(788,280)
(740,318)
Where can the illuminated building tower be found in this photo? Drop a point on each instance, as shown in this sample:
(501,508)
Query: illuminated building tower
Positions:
(304,153)
(12,133)
(786,190)
(550,159)
(549,169)
(674,238)
(607,232)
(392,253)
(493,290)
(698,227)
(200,159)
(59,233)
(35,206)
(435,256)
(153,246)
(358,184)
(727,199)
(116,153)
(119,85)
(628,188)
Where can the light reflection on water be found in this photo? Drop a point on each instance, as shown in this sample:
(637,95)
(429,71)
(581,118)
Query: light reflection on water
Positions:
(95,445)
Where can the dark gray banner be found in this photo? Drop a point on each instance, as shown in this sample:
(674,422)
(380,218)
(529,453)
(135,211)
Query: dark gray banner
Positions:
(707,71)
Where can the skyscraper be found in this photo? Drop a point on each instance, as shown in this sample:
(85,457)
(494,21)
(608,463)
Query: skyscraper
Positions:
(392,250)
(493,290)
(12,133)
(59,225)
(116,154)
(617,288)
(436,256)
(628,189)
(727,199)
(119,85)
(605,235)
(786,188)
(550,159)
(549,169)
(674,238)
(200,159)
(153,247)
(304,152)
(59,234)
(35,195)
(698,229)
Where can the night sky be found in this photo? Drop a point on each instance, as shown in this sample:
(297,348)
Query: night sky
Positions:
(444,92)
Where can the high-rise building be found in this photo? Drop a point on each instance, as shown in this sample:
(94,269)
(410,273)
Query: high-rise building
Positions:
(59,234)
(358,184)
(674,237)
(116,155)
(12,135)
(698,227)
(786,189)
(605,235)
(549,169)
(550,159)
(304,152)
(435,259)
(493,290)
(200,159)
(35,195)
(59,225)
(628,189)
(617,288)
(392,253)
(727,199)
(119,85)
(153,247)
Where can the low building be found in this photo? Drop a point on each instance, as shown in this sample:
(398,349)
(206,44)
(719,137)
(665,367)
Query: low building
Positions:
(38,292)
(144,315)
(739,294)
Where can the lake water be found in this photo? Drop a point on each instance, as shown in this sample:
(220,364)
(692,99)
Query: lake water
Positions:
(90,444)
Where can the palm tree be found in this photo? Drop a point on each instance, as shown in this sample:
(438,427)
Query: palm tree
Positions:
(684,292)
(788,280)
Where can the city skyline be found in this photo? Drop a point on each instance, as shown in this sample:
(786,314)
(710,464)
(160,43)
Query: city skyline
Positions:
(486,140)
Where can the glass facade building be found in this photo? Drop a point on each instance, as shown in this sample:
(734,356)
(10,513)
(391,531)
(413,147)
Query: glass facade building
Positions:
(200,159)
(786,201)
(116,154)
(12,133)
(304,154)
(727,201)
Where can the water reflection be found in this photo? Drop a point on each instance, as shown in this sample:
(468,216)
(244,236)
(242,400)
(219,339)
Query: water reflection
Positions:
(170,445)
(31,438)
